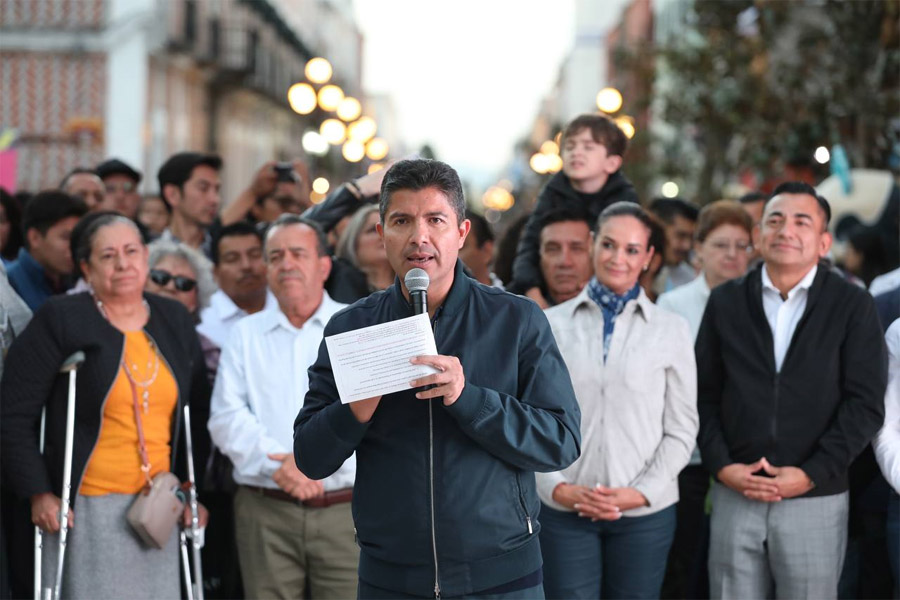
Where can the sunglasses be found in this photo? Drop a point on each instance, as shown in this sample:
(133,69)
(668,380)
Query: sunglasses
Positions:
(162,279)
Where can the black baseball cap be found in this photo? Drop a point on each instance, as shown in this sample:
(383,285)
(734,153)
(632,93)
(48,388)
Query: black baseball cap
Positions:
(114,166)
(177,169)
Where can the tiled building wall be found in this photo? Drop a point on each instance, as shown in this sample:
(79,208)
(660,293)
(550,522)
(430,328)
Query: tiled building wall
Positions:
(56,103)
(52,14)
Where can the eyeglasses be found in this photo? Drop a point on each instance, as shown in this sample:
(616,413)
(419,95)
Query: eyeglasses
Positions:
(162,279)
(725,246)
(125,186)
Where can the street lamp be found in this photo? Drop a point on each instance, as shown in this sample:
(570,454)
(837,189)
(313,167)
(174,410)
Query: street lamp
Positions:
(320,185)
(539,163)
(669,189)
(626,124)
(349,109)
(609,100)
(353,150)
(362,130)
(330,96)
(314,143)
(333,130)
(376,149)
(302,98)
(318,70)
(497,198)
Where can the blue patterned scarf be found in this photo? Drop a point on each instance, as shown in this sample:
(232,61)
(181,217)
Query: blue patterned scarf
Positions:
(612,305)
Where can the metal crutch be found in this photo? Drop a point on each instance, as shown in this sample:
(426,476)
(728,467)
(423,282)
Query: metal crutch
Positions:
(197,584)
(186,565)
(70,366)
(38,534)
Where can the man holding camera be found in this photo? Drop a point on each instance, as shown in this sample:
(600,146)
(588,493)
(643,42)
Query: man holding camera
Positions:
(277,188)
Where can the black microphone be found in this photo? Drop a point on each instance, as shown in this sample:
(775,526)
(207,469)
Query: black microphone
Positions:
(417,281)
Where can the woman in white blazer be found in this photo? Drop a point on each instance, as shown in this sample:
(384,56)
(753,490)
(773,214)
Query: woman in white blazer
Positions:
(608,520)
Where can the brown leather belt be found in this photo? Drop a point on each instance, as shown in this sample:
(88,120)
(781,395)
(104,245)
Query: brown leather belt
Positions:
(327,499)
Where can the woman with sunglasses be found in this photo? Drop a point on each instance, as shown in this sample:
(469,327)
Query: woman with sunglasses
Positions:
(180,273)
(142,365)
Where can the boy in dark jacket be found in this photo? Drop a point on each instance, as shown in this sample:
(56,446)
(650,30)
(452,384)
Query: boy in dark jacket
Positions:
(593,148)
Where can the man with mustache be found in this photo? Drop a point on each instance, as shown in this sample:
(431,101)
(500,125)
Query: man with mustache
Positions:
(565,254)
(294,534)
(445,503)
(240,271)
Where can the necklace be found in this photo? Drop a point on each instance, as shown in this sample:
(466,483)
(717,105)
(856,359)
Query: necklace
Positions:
(131,372)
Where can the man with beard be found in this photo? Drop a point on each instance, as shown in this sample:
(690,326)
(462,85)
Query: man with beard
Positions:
(240,271)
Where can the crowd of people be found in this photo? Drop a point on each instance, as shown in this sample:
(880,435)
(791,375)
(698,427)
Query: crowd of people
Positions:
(633,397)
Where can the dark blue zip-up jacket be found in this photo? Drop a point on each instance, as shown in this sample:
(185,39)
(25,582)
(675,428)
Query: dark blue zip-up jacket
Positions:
(516,414)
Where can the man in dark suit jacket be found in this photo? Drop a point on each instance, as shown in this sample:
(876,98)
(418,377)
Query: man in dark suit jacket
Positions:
(791,379)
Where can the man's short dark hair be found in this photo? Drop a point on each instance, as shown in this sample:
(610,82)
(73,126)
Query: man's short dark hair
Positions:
(288,219)
(114,166)
(420,174)
(752,198)
(603,130)
(800,187)
(48,208)
(481,229)
(563,215)
(239,229)
(178,168)
(667,209)
(76,171)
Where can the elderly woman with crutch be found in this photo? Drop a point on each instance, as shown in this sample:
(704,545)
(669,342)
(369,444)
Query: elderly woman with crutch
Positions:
(141,367)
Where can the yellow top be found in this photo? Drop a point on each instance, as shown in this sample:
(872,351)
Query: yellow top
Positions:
(115,465)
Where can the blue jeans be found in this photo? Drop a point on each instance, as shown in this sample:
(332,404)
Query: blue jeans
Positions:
(607,559)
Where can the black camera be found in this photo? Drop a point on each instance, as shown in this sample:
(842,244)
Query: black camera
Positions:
(285,172)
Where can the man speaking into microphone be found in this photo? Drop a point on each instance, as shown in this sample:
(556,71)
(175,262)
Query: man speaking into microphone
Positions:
(445,503)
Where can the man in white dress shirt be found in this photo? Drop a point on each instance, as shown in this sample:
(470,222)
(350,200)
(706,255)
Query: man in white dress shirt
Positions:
(295,535)
(240,271)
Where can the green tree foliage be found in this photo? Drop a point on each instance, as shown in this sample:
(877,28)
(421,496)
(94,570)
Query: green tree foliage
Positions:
(757,85)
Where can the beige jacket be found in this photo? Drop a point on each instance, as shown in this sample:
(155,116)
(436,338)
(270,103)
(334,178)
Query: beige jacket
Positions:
(639,410)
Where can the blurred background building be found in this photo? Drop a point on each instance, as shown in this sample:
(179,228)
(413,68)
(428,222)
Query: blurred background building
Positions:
(721,98)
(84,80)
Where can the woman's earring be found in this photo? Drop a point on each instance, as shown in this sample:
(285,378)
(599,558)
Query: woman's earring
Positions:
(647,266)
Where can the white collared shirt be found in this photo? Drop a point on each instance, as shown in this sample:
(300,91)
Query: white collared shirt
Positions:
(260,387)
(689,301)
(217,319)
(887,443)
(885,283)
(783,315)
